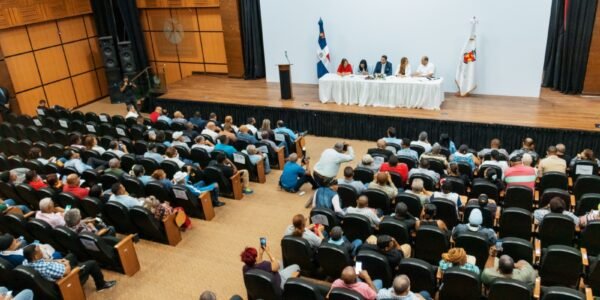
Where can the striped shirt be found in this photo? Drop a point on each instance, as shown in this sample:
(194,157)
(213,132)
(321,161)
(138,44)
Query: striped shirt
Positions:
(520,175)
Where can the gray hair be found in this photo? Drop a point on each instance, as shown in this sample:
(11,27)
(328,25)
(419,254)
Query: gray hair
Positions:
(46,204)
(527,159)
(293,157)
(436,148)
(251,149)
(72,217)
(113,162)
(423,136)
(338,147)
(208,295)
(417,185)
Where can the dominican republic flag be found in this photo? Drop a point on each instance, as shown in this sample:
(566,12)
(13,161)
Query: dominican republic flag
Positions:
(322,52)
(465,73)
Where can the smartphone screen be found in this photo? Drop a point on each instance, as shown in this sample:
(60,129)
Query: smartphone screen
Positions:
(67,207)
(263,242)
(358,267)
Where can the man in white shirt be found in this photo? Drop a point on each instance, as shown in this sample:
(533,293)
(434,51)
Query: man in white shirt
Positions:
(131,112)
(329,165)
(423,142)
(495,161)
(425,69)
(212,130)
(362,208)
(178,140)
(201,142)
(251,122)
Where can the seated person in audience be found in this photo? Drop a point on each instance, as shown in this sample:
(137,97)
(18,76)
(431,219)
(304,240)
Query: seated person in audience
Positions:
(345,68)
(54,270)
(362,208)
(363,68)
(454,172)
(422,141)
(161,138)
(224,146)
(380,152)
(179,140)
(495,144)
(392,250)
(463,155)
(152,153)
(211,130)
(35,153)
(457,257)
(161,211)
(331,159)
(75,141)
(91,143)
(11,249)
(138,172)
(178,117)
(155,114)
(73,186)
(448,194)
(139,124)
(253,259)
(245,135)
(426,68)
(165,117)
(281,128)
(255,156)
(436,154)
(349,180)
(203,143)
(406,151)
(131,112)
(196,189)
(474,225)
(417,188)
(274,147)
(9,206)
(212,117)
(557,206)
(403,69)
(552,163)
(327,197)
(490,175)
(528,147)
(114,167)
(73,220)
(198,121)
(54,183)
(172,155)
(229,121)
(505,267)
(294,176)
(520,173)
(447,143)
(120,195)
(118,148)
(54,216)
(401,214)
(560,152)
(189,133)
(428,218)
(74,161)
(592,215)
(383,182)
(366,287)
(585,155)
(401,290)
(14,176)
(266,127)
(337,237)
(160,176)
(368,162)
(423,168)
(495,161)
(383,66)
(484,203)
(251,125)
(229,169)
(313,233)
(391,136)
(34,180)
(229,132)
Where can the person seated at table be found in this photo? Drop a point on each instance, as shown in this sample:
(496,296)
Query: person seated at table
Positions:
(383,66)
(404,68)
(345,68)
(363,68)
(425,69)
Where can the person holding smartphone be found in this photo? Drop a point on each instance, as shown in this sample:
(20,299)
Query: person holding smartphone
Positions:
(254,259)
(328,167)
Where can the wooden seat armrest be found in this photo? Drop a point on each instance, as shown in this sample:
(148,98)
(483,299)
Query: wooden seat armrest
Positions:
(536,289)
(171,230)
(206,204)
(128,255)
(588,294)
(439,274)
(536,196)
(584,257)
(501,194)
(260,171)
(70,286)
(29,214)
(280,157)
(570,181)
(497,216)
(537,250)
(236,185)
(573,202)
(300,143)
(102,232)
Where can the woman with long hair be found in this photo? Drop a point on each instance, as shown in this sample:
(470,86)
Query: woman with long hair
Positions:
(266,127)
(312,233)
(345,68)
(403,68)
(363,68)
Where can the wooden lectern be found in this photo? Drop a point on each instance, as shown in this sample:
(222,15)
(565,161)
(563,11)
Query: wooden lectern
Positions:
(285,81)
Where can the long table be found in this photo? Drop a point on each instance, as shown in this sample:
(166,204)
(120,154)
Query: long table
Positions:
(410,92)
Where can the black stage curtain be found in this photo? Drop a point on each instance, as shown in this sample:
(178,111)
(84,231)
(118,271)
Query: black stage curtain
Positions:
(568,44)
(371,127)
(252,40)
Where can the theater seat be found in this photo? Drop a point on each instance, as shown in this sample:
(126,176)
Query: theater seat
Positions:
(504,288)
(68,287)
(196,207)
(256,172)
(228,187)
(302,289)
(460,284)
(260,285)
(296,250)
(149,228)
(117,214)
(377,265)
(344,294)
(333,259)
(421,274)
(69,240)
(121,258)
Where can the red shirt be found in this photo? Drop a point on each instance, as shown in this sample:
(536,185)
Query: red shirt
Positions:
(401,168)
(77,191)
(38,184)
(154,116)
(347,69)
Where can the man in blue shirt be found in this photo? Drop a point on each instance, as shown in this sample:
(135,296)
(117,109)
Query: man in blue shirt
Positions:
(11,249)
(120,195)
(224,146)
(282,129)
(406,151)
(196,189)
(198,121)
(391,138)
(245,135)
(294,176)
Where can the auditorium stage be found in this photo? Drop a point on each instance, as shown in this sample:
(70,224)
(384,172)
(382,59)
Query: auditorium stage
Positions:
(552,118)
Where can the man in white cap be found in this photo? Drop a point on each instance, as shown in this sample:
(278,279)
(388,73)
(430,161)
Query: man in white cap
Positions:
(196,189)
(474,225)
(179,140)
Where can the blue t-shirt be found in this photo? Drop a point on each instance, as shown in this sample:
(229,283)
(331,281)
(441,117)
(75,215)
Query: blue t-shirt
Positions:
(228,149)
(291,172)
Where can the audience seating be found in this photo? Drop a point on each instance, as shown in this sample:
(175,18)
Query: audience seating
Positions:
(363,174)
(260,285)
(476,244)
(421,274)
(296,250)
(430,243)
(378,200)
(344,294)
(302,289)
(460,284)
(121,258)
(504,288)
(413,203)
(377,265)
(395,229)
(515,222)
(356,226)
(165,232)
(332,259)
(347,195)
(228,187)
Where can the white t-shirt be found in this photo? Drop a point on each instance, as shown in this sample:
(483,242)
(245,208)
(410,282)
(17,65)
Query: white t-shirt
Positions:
(211,133)
(428,69)
(131,114)
(407,70)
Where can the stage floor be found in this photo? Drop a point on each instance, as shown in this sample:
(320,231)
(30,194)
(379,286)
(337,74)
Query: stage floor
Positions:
(550,110)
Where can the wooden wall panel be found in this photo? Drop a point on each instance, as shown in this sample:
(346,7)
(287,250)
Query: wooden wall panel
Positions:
(29,100)
(176,3)
(187,69)
(90,25)
(190,49)
(591,84)
(149,48)
(43,35)
(232,34)
(27,14)
(157,18)
(144,20)
(187,18)
(52,64)
(102,81)
(86,87)
(79,57)
(210,19)
(71,29)
(163,49)
(214,47)
(61,93)
(23,71)
(55,9)
(172,71)
(14,41)
(216,68)
(97,56)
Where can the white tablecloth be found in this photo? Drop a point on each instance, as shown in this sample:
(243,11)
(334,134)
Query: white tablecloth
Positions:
(411,92)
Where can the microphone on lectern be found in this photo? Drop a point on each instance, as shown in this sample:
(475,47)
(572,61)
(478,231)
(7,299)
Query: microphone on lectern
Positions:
(286,57)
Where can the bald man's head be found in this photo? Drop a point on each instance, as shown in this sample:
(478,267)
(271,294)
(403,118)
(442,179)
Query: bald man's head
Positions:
(362,201)
(381,144)
(348,275)
(401,285)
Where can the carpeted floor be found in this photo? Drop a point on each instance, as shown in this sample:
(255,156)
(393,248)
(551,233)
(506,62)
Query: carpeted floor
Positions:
(208,256)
